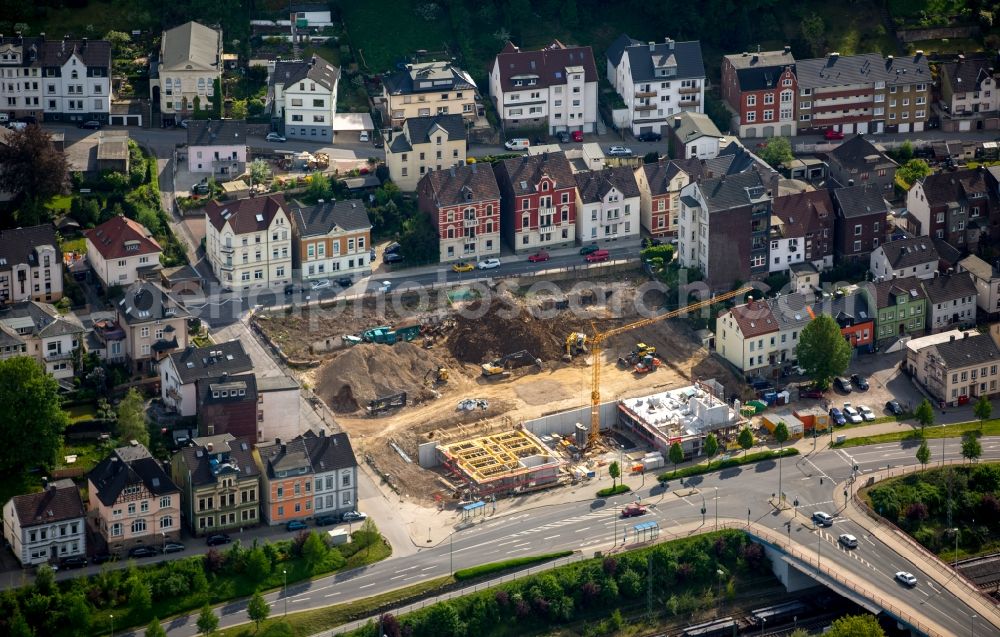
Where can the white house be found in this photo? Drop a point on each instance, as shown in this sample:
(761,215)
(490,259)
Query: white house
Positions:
(217,147)
(987,280)
(280,398)
(905,257)
(45,334)
(180,372)
(122,251)
(656,80)
(555,87)
(951,299)
(46,526)
(335,472)
(31,267)
(303,95)
(694,136)
(248,242)
(184,75)
(310,15)
(607,206)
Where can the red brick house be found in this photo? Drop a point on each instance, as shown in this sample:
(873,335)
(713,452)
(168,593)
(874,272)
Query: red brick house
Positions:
(229,405)
(538,203)
(761,87)
(463,203)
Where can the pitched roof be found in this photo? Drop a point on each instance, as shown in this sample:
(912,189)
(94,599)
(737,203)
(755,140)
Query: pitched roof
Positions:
(971,349)
(54,504)
(547,65)
(96,53)
(760,79)
(793,311)
(254,214)
(427,76)
(683,58)
(979,268)
(689,126)
(221,132)
(860,201)
(331,216)
(525,172)
(594,185)
(191,43)
(316,453)
(885,292)
(462,184)
(18,244)
(145,301)
(858,152)
(195,363)
(804,212)
(948,254)
(418,130)
(223,455)
(733,191)
(659,175)
(949,287)
(754,319)
(129,466)
(8,337)
(121,237)
(947,187)
(39,319)
(226,389)
(315,69)
(906,253)
(761,59)
(866,68)
(966,74)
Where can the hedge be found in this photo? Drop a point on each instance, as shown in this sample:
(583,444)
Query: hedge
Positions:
(699,469)
(615,490)
(507,565)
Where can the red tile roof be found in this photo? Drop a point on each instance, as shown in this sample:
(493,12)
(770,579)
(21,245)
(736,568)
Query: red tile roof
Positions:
(755,319)
(56,503)
(122,237)
(548,65)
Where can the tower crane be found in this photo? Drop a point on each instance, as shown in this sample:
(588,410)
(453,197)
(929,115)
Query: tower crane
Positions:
(599,337)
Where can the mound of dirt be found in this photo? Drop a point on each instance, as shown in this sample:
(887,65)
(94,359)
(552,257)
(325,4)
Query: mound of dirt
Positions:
(369,371)
(498,332)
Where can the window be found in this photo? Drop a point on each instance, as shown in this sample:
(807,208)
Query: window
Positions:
(857,230)
(138,526)
(768,115)
(769,98)
(751,116)
(751,100)
(857,246)
(318,103)
(144,332)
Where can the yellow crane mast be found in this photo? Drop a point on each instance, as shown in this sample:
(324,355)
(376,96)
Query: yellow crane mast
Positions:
(599,337)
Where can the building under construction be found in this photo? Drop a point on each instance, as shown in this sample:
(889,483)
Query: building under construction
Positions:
(505,463)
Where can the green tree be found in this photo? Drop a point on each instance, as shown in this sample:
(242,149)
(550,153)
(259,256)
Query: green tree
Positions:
(983,409)
(822,350)
(904,153)
(314,550)
(17,625)
(255,106)
(78,613)
(153,629)
(132,418)
(119,40)
(238,109)
(814,33)
(745,440)
(615,471)
(257,609)
(924,414)
(140,597)
(33,172)
(260,172)
(258,565)
(30,399)
(317,187)
(972,449)
(711,447)
(777,151)
(217,99)
(913,171)
(855,626)
(676,455)
(781,435)
(444,620)
(208,622)
(923,453)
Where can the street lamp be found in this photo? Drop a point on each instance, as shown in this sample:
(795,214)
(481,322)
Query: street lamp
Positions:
(955,531)
(716,508)
(112,626)
(451,553)
(284,589)
(972,631)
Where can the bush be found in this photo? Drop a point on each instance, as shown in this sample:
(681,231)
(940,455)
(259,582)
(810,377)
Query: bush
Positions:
(507,565)
(737,461)
(615,490)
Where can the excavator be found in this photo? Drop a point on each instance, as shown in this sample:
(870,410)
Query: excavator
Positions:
(438,376)
(636,356)
(497,368)
(576,343)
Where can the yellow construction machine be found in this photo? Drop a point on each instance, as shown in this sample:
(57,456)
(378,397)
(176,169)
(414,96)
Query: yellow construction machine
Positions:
(576,343)
(438,376)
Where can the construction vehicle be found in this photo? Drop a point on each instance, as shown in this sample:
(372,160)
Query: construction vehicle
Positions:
(576,343)
(385,403)
(599,337)
(406,331)
(635,356)
(498,368)
(649,363)
(437,376)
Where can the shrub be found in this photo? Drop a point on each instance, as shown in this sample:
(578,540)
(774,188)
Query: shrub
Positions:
(615,490)
(507,565)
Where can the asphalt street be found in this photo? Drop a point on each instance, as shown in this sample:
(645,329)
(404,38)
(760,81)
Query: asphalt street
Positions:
(591,525)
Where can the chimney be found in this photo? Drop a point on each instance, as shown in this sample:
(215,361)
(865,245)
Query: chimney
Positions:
(850,182)
(677,121)
(951,338)
(754,58)
(788,49)
(652,46)
(670,44)
(284,449)
(322,433)
(834,55)
(209,447)
(277,441)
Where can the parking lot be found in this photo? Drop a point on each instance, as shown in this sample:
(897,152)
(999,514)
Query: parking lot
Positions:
(886,382)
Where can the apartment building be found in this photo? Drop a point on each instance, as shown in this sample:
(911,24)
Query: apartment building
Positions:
(425,143)
(248,242)
(916,256)
(427,89)
(218,148)
(332,238)
(857,161)
(47,525)
(122,251)
(660,186)
(954,206)
(537,202)
(656,80)
(40,331)
(986,277)
(180,372)
(899,306)
(802,231)
(862,222)
(463,203)
(303,96)
(951,301)
(155,324)
(608,206)
(955,367)
(31,266)
(760,89)
(219,484)
(183,78)
(969,89)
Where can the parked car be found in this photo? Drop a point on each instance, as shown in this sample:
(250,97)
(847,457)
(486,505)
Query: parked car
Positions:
(354,516)
(832,134)
(172,547)
(597,256)
(291,289)
(619,151)
(563,137)
(860,382)
(810,392)
(842,384)
(319,284)
(91,124)
(822,518)
(488,264)
(201,189)
(327,520)
(272,137)
(577,136)
(463,266)
(102,558)
(894,408)
(519,143)
(363,136)
(852,414)
(392,257)
(866,413)
(142,551)
(848,540)
(345,282)
(906,578)
(75,561)
(218,539)
(385,287)
(587,249)
(539,256)
(649,137)
(837,417)
(391,248)
(296,525)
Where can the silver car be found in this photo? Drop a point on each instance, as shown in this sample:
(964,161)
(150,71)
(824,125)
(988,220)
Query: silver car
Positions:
(620,151)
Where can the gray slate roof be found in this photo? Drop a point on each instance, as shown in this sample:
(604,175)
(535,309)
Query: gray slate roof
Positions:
(866,68)
(733,191)
(684,56)
(331,216)
(966,75)
(949,287)
(316,69)
(56,503)
(695,125)
(145,301)
(205,389)
(46,321)
(191,43)
(418,130)
(906,253)
(129,466)
(195,363)
(443,75)
(971,350)
(855,152)
(316,453)
(860,201)
(18,245)
(232,456)
(225,132)
(594,185)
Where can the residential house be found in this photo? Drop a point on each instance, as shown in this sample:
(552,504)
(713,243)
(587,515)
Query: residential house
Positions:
(900,307)
(219,483)
(425,143)
(537,202)
(861,224)
(427,89)
(248,242)
(608,205)
(122,251)
(182,80)
(303,96)
(803,277)
(951,301)
(802,231)
(954,367)
(463,203)
(864,93)
(554,87)
(905,257)
(694,136)
(133,501)
(40,331)
(310,15)
(31,266)
(229,405)
(987,280)
(107,339)
(218,148)
(660,186)
(280,404)
(955,206)
(47,525)
(181,371)
(332,238)
(969,90)
(290,469)
(857,161)
(759,84)
(656,80)
(155,325)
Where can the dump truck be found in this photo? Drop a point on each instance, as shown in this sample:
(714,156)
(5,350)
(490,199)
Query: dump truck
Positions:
(633,509)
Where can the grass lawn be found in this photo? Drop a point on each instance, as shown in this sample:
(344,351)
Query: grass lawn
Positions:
(989,428)
(81,412)
(946,45)
(383,32)
(75,245)
(94,19)
(88,453)
(60,203)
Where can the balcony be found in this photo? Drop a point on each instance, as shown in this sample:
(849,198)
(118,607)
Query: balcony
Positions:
(470,223)
(645,107)
(546,229)
(688,90)
(227,249)
(547,210)
(57,356)
(645,93)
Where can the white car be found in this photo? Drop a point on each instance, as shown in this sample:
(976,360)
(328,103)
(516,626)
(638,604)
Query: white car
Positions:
(363,137)
(822,518)
(906,578)
(275,137)
(320,284)
(184,123)
(620,151)
(851,414)
(385,287)
(848,540)
(866,413)
(488,264)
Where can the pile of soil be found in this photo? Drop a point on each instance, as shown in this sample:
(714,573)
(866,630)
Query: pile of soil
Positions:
(368,371)
(499,332)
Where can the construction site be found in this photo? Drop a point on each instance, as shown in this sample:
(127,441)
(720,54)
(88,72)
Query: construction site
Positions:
(466,378)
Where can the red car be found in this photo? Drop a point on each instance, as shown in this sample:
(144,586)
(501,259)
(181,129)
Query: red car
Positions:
(577,135)
(833,134)
(539,256)
(810,392)
(632,510)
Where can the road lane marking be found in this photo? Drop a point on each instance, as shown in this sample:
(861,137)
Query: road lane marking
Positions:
(367,585)
(396,577)
(408,568)
(522,544)
(504,543)
(581,530)
(332,594)
(299,599)
(551,537)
